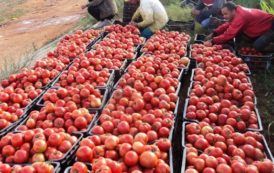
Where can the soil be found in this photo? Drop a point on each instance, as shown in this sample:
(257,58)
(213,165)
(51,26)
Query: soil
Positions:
(43,21)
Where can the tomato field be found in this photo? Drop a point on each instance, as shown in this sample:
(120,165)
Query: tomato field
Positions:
(109,101)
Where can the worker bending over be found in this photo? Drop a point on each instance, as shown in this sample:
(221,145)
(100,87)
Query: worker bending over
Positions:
(103,11)
(203,11)
(154,17)
(253,23)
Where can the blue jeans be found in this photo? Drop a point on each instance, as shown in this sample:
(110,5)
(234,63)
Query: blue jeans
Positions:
(147,33)
(205,23)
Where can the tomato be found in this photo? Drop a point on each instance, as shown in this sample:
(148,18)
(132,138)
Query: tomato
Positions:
(27,169)
(201,144)
(211,162)
(39,146)
(8,150)
(42,167)
(21,156)
(266,166)
(111,154)
(164,144)
(162,167)
(223,168)
(111,142)
(65,146)
(141,137)
(79,167)
(5,168)
(97,163)
(84,154)
(80,123)
(56,155)
(131,158)
(38,157)
(191,170)
(148,159)
(17,140)
(98,151)
(238,167)
(251,169)
(123,127)
(54,140)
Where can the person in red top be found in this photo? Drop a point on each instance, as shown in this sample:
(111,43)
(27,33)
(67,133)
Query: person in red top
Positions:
(253,23)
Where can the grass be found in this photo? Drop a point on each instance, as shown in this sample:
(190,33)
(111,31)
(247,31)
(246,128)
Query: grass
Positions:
(264,89)
(9,10)
(248,3)
(175,12)
(14,67)
(268,6)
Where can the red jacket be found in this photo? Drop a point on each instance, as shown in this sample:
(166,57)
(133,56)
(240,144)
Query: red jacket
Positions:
(252,22)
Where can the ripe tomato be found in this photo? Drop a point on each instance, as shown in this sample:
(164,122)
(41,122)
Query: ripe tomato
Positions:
(21,156)
(131,158)
(79,167)
(39,146)
(148,159)
(223,168)
(84,154)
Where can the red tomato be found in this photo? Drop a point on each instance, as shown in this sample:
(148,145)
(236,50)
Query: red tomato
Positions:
(79,167)
(131,158)
(148,159)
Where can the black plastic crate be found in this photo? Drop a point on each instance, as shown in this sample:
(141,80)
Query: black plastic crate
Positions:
(116,86)
(27,109)
(91,124)
(56,77)
(96,40)
(185,55)
(67,170)
(181,26)
(67,158)
(199,38)
(257,62)
(104,92)
(71,153)
(267,150)
(170,155)
(93,42)
(176,111)
(260,126)
(109,83)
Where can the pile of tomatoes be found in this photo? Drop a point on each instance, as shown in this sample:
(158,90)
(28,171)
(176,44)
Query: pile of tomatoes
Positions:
(35,146)
(133,130)
(20,89)
(35,167)
(215,55)
(117,47)
(222,102)
(167,42)
(220,149)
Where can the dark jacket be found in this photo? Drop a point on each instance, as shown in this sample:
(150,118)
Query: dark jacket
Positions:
(106,7)
(252,22)
(213,10)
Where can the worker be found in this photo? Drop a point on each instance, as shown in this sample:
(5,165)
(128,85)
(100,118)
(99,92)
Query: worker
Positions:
(253,23)
(202,14)
(154,17)
(103,11)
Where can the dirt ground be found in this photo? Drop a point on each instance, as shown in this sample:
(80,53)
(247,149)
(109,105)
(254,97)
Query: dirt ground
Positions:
(39,22)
